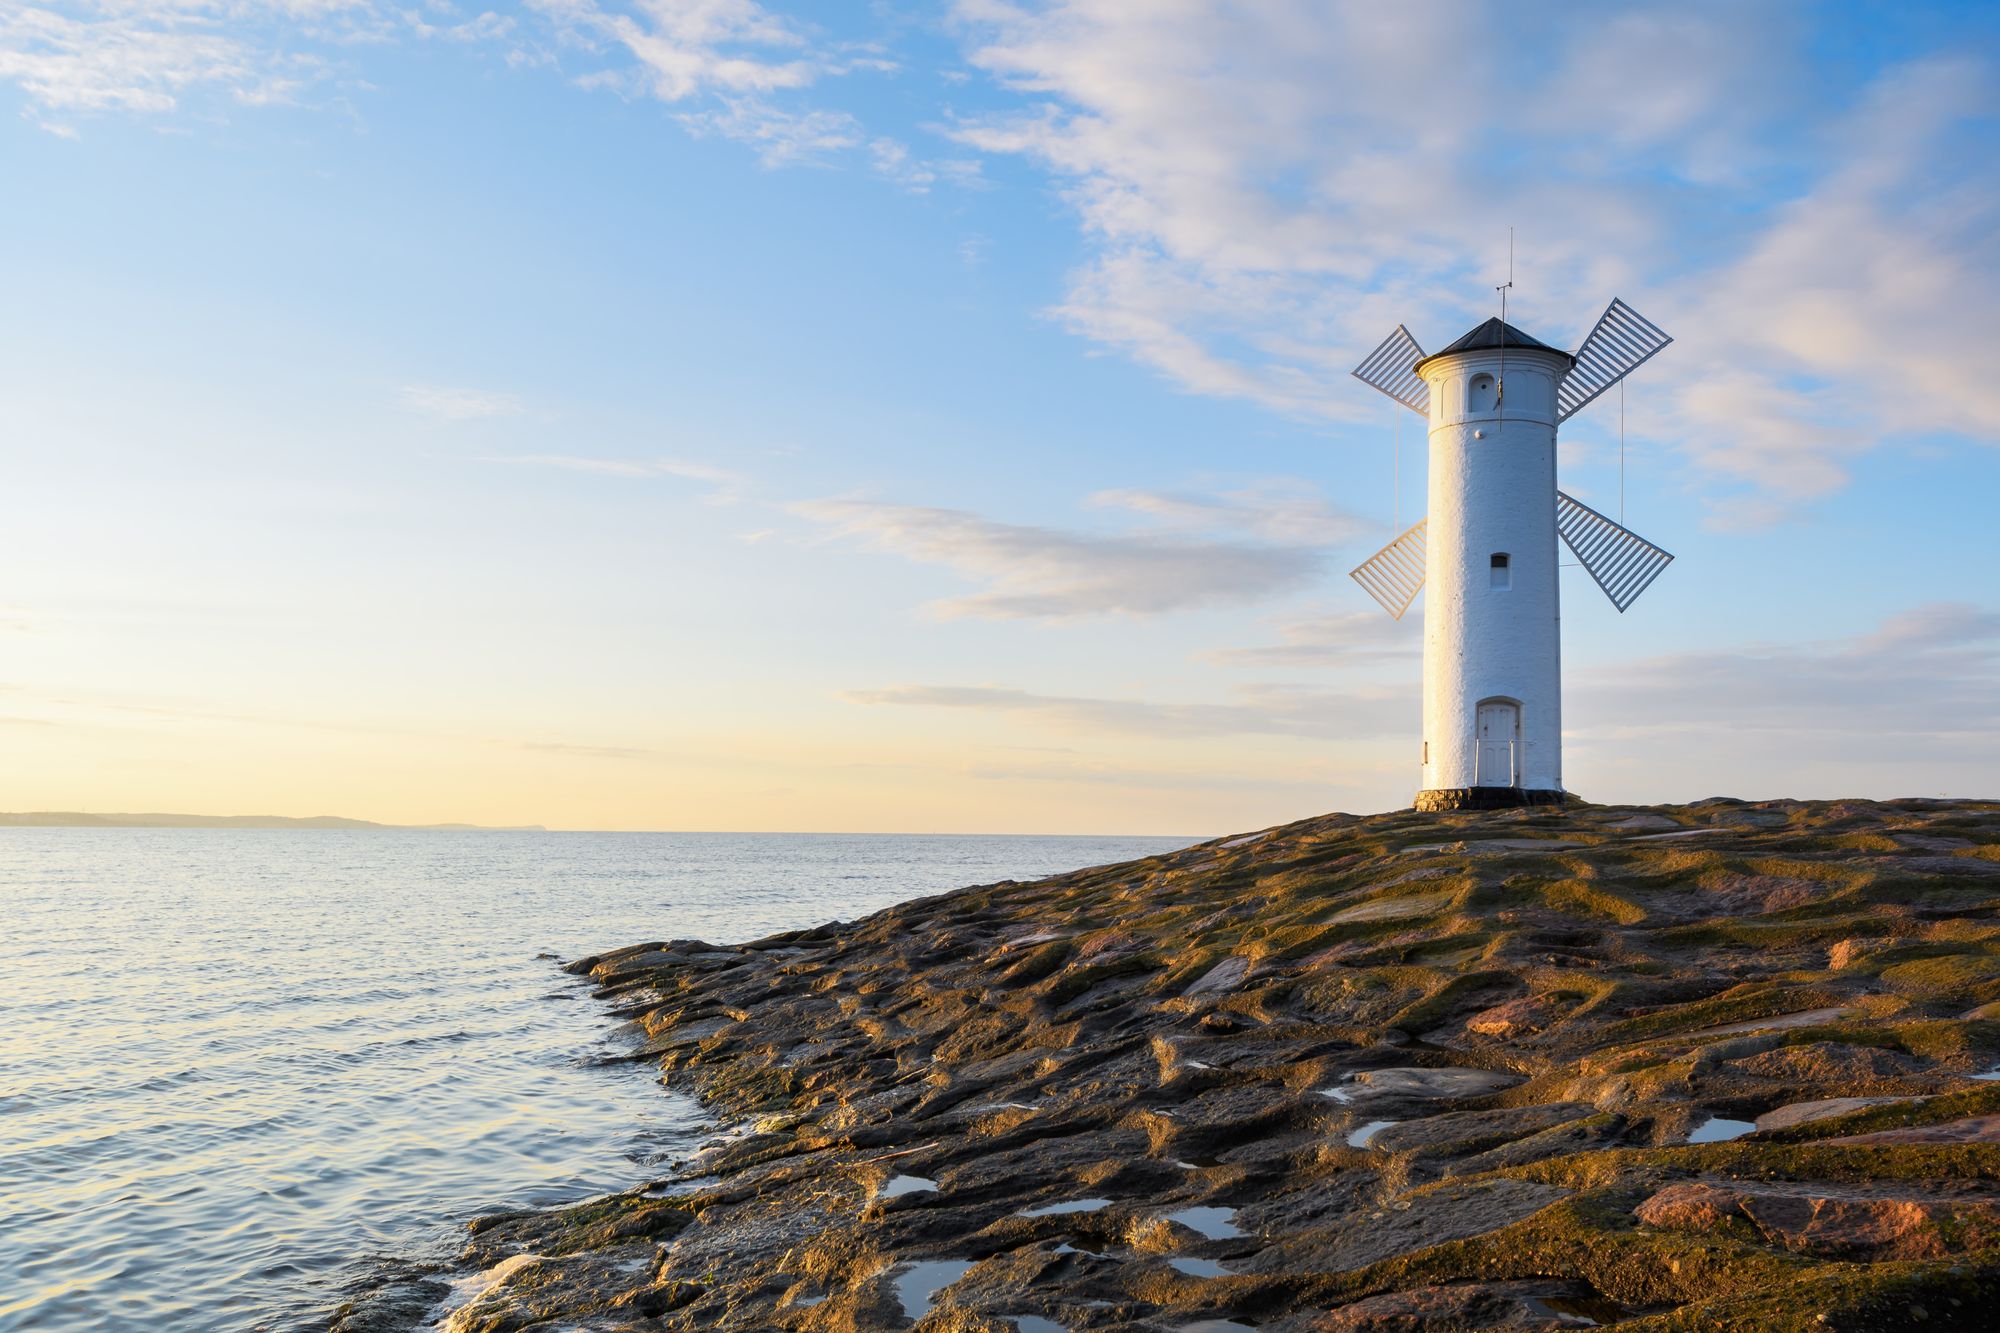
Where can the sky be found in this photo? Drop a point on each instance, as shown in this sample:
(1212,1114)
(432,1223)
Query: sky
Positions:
(711,414)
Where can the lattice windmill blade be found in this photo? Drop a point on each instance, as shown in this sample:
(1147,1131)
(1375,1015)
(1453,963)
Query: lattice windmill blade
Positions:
(1387,369)
(1623,340)
(1622,562)
(1394,575)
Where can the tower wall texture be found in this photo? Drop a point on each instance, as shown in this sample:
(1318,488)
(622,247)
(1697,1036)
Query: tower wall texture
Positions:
(1492,491)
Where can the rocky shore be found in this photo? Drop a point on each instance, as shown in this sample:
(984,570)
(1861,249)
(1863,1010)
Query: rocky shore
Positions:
(1717,1066)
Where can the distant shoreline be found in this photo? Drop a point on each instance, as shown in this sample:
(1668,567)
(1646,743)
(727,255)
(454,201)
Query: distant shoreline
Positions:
(82,819)
(79,819)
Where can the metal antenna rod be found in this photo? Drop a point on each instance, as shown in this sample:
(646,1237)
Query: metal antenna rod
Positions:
(1500,389)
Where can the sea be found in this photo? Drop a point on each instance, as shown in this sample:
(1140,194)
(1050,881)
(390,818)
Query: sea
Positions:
(243,1069)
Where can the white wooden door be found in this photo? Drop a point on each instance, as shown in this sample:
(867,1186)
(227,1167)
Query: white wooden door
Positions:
(1499,743)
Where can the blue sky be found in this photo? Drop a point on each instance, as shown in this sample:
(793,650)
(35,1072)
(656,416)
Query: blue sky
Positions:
(723,415)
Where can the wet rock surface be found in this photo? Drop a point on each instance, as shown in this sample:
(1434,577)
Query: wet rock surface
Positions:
(1409,1072)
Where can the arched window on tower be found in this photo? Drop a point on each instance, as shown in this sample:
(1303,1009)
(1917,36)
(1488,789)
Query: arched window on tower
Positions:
(1500,572)
(1481,395)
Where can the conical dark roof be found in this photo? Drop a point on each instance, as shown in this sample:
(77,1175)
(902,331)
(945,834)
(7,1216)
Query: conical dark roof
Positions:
(1493,333)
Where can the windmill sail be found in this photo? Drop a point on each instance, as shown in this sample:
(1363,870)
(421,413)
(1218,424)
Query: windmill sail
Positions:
(1388,370)
(1622,562)
(1623,340)
(1394,574)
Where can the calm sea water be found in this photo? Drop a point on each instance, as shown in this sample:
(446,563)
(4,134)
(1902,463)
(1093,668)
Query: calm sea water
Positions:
(239,1066)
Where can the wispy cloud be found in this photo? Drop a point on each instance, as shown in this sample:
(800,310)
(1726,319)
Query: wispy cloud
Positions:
(1847,321)
(1310,784)
(485,26)
(442,403)
(1347,639)
(780,136)
(689,47)
(1911,708)
(728,485)
(1267,189)
(784,136)
(1930,675)
(1242,546)
(146,56)
(1268,710)
(1287,513)
(743,69)
(740,69)
(894,161)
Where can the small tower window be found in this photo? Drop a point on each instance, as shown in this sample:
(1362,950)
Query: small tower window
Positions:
(1481,395)
(1499,571)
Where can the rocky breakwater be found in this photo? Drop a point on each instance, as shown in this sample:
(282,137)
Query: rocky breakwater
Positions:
(1718,1066)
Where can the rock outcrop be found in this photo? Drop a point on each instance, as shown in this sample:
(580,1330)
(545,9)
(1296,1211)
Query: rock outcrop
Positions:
(1714,1066)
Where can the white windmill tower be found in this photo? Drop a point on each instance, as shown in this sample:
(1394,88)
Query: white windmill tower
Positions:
(1492,647)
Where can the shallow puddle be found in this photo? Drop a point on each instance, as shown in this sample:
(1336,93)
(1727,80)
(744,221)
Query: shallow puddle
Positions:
(901,1185)
(1061,1209)
(1717,1130)
(1198,1267)
(1034,1323)
(1343,1095)
(1209,1223)
(918,1284)
(1987,1077)
(1582,1311)
(1361,1137)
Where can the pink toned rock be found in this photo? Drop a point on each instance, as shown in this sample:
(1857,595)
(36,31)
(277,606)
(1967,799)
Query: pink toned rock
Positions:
(1112,944)
(1799,1018)
(1333,954)
(1026,937)
(1972,1129)
(1336,953)
(1460,1305)
(1515,1018)
(1826,1108)
(1224,976)
(1689,1206)
(1736,892)
(1819,1219)
(1833,1064)
(1392,909)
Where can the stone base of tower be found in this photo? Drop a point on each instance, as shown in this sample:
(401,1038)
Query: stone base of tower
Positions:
(1439,799)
